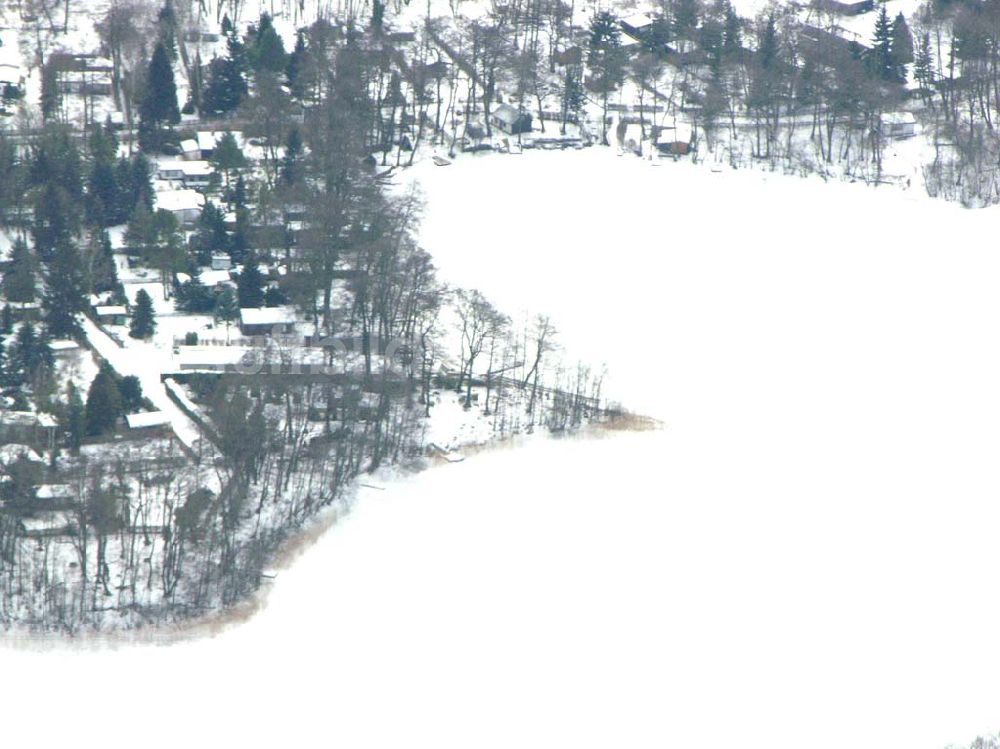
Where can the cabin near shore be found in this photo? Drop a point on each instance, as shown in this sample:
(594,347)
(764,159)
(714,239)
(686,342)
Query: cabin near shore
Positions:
(510,120)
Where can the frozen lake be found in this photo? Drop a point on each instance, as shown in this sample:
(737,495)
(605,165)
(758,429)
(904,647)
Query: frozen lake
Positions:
(805,555)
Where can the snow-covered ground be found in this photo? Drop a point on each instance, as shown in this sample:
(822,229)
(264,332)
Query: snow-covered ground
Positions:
(805,555)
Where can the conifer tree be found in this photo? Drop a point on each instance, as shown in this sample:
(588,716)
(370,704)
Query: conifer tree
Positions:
(64,297)
(19,281)
(923,64)
(291,162)
(30,355)
(881,59)
(266,51)
(606,60)
(75,420)
(56,179)
(227,309)
(104,403)
(250,284)
(226,87)
(227,156)
(130,389)
(296,62)
(731,33)
(143,317)
(902,46)
(158,107)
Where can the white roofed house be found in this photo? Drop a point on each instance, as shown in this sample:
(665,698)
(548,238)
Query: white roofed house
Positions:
(899,125)
(510,120)
(111,314)
(208,140)
(190,150)
(148,423)
(27,428)
(675,140)
(189,173)
(185,204)
(267,320)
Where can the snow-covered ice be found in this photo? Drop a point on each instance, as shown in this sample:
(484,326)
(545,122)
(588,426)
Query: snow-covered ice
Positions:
(805,555)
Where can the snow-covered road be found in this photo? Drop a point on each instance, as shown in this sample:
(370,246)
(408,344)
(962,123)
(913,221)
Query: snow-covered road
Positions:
(146,363)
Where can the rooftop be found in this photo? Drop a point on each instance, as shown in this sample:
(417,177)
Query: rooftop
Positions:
(267,315)
(147,419)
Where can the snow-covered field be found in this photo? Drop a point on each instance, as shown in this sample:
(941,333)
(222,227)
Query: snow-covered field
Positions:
(804,556)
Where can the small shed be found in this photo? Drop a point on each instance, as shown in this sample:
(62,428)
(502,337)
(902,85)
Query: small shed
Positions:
(511,120)
(898,125)
(111,314)
(267,320)
(63,346)
(675,140)
(221,261)
(148,421)
(27,428)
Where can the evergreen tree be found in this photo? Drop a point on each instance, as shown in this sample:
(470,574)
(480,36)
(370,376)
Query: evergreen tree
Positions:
(291,163)
(104,403)
(6,320)
(57,184)
(166,22)
(227,308)
(4,381)
(923,64)
(227,156)
(250,284)
(881,54)
(210,235)
(143,318)
(130,390)
(606,60)
(194,297)
(767,44)
(657,37)
(225,89)
(296,62)
(685,18)
(275,297)
(75,420)
(265,49)
(731,42)
(573,97)
(102,200)
(103,271)
(102,195)
(64,298)
(19,281)
(158,106)
(902,46)
(51,99)
(30,355)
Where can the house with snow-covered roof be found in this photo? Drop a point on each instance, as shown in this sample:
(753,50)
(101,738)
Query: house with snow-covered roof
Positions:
(510,120)
(267,320)
(185,204)
(189,173)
